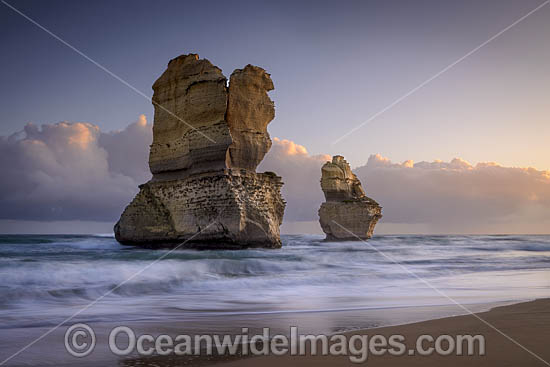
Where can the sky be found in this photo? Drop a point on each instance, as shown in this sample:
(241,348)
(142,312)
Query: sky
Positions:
(334,65)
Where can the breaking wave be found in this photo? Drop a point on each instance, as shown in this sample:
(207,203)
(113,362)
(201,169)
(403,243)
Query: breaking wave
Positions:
(46,274)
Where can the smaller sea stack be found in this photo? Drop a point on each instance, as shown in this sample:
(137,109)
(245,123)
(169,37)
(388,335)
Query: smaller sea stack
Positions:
(348,214)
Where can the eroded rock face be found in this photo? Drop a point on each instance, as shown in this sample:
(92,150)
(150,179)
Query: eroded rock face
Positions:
(347,214)
(209,210)
(249,111)
(208,139)
(190,134)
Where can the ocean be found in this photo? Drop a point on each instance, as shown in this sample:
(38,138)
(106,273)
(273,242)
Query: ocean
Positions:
(320,286)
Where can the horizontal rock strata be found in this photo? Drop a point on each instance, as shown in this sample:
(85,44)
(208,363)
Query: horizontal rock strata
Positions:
(208,139)
(210,210)
(190,134)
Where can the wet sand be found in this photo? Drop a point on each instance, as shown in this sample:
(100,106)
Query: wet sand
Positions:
(527,323)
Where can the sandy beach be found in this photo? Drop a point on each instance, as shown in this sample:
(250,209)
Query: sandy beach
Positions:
(527,323)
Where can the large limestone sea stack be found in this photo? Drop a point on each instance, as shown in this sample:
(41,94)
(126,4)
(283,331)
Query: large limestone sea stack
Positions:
(347,214)
(208,139)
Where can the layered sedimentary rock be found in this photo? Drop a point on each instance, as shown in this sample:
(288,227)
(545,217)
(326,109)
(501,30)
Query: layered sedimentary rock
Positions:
(208,139)
(190,133)
(249,111)
(347,214)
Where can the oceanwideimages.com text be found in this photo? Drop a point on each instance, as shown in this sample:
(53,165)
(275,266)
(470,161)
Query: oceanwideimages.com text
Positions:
(80,341)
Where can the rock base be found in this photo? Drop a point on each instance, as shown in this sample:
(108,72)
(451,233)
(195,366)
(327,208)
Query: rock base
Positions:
(230,209)
(356,216)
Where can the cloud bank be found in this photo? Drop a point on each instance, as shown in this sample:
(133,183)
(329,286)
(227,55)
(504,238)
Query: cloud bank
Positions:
(435,197)
(72,171)
(301,177)
(75,172)
(460,197)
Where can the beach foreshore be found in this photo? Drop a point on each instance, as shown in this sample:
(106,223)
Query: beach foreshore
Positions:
(515,335)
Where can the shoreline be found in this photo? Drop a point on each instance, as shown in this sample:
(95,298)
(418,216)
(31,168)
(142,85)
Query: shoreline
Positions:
(490,306)
(320,289)
(527,322)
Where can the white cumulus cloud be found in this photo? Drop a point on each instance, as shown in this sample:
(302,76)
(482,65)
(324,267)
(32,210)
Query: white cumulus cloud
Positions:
(301,176)
(73,171)
(458,196)
(68,171)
